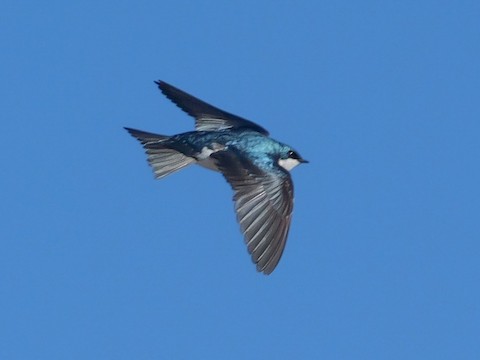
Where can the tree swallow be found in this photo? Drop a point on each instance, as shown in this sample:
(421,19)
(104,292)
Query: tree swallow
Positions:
(256,166)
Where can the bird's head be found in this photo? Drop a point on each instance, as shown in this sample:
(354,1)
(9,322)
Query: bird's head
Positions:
(289,158)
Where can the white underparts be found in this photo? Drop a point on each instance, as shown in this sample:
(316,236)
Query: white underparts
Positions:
(204,158)
(206,152)
(288,164)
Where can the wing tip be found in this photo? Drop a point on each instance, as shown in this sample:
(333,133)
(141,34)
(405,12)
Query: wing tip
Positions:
(131,131)
(164,86)
(267,269)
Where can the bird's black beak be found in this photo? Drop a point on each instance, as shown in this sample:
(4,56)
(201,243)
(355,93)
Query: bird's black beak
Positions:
(303,161)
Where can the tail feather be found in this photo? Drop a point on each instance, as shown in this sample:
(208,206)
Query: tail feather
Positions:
(166,161)
(163,159)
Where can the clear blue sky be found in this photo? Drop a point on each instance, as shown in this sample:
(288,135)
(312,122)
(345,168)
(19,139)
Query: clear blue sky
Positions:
(99,261)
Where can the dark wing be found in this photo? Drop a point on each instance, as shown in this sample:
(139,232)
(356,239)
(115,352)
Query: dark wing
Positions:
(207,117)
(264,204)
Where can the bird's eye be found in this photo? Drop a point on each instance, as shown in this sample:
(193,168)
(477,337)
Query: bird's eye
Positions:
(293,155)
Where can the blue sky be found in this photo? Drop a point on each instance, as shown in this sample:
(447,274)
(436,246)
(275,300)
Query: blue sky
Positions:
(99,261)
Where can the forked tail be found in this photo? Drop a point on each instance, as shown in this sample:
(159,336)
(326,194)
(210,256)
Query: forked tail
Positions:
(163,159)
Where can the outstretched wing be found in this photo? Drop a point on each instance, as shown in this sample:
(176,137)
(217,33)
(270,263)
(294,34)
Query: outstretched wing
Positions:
(263,203)
(207,117)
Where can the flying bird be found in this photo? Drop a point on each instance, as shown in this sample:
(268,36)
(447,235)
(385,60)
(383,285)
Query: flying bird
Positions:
(256,166)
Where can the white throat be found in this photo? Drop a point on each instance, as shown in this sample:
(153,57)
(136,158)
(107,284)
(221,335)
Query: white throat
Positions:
(288,164)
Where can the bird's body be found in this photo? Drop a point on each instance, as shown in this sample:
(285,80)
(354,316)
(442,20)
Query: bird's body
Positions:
(259,148)
(256,166)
